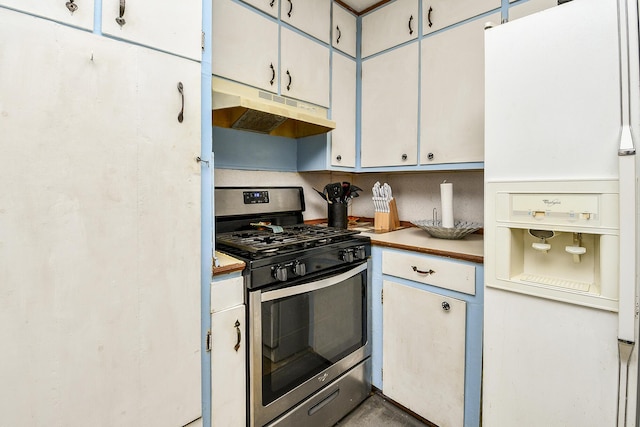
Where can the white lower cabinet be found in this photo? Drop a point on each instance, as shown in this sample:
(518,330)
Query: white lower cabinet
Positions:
(228,354)
(427,314)
(424,352)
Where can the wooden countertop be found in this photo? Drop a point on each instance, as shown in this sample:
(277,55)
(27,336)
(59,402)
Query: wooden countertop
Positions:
(471,248)
(227,264)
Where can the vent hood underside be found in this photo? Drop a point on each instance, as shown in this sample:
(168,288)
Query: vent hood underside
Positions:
(245,108)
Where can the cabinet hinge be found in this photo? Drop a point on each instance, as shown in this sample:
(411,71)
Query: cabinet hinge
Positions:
(382,296)
(209,341)
(202,40)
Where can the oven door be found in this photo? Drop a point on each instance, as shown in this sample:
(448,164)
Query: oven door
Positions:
(304,336)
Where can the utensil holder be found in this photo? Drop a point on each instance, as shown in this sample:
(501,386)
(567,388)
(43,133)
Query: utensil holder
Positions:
(337,215)
(387,221)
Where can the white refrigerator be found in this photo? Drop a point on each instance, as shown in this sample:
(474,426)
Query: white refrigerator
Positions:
(561,218)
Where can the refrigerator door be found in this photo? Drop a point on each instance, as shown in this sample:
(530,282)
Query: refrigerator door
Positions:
(561,91)
(552,83)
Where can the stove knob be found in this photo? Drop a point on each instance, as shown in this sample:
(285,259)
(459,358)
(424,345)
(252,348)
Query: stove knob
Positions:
(347,255)
(280,273)
(360,253)
(299,269)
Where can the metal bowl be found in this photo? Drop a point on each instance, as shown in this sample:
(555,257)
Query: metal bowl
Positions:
(458,231)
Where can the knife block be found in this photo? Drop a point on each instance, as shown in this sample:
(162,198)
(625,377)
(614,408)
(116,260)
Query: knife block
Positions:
(387,221)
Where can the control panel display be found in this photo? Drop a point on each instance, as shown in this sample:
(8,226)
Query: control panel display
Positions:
(253,197)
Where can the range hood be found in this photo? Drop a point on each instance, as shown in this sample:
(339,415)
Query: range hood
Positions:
(246,108)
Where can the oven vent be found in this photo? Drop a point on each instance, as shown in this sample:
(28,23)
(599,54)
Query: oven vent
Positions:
(242,107)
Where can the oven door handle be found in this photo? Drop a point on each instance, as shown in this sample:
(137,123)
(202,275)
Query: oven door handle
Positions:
(312,286)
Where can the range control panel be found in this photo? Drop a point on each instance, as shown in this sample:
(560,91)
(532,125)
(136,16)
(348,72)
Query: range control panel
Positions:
(253,197)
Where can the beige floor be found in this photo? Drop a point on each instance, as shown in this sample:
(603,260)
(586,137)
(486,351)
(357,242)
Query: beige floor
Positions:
(377,411)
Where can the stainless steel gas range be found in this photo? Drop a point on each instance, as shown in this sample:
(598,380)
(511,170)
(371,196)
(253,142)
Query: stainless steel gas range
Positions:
(308,307)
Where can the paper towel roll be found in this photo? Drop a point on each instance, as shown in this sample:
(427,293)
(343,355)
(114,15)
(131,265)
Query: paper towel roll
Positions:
(446,198)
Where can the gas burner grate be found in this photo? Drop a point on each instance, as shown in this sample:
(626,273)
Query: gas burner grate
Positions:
(292,237)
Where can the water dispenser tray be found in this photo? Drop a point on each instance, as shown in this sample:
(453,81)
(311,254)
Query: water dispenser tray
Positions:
(552,281)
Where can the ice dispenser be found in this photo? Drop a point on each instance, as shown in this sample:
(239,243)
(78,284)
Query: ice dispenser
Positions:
(555,240)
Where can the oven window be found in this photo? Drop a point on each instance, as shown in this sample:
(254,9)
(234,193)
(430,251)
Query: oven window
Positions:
(306,333)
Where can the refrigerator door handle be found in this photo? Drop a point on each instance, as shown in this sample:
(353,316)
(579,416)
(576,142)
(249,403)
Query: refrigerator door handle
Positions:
(625,37)
(627,177)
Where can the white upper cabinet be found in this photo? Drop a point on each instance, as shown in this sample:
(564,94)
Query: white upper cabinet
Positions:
(267,6)
(310,16)
(438,14)
(343,111)
(245,49)
(172,27)
(389,26)
(529,7)
(389,135)
(452,95)
(304,71)
(78,13)
(343,31)
(245,45)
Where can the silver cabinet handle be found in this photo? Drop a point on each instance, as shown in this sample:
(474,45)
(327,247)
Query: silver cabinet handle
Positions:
(237,326)
(71,6)
(446,306)
(181,114)
(120,19)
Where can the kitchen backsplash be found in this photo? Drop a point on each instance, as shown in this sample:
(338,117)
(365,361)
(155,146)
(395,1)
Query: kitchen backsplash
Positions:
(416,193)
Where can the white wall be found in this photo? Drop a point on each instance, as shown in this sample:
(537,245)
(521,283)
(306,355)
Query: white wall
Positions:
(416,193)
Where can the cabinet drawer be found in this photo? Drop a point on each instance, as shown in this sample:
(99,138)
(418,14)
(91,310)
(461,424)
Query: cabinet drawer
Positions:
(429,270)
(226,293)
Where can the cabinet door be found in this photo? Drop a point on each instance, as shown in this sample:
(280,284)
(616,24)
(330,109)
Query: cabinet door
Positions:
(100,303)
(442,13)
(390,108)
(267,6)
(389,26)
(343,111)
(423,352)
(344,30)
(245,46)
(78,13)
(311,17)
(304,68)
(228,368)
(452,95)
(171,27)
(530,7)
